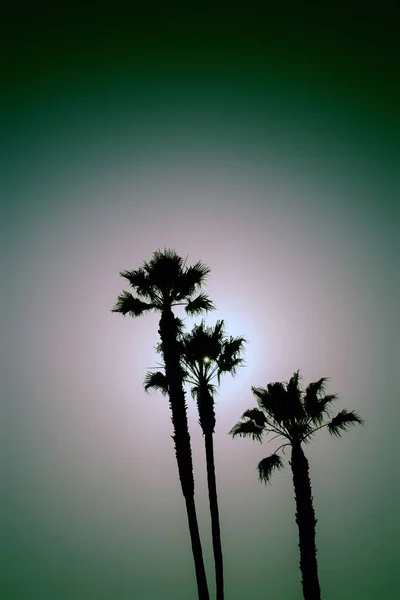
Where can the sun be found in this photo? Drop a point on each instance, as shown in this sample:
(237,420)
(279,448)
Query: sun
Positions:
(207,359)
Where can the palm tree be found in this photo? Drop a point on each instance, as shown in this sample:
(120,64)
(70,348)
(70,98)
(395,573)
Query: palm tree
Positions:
(160,284)
(206,354)
(288,412)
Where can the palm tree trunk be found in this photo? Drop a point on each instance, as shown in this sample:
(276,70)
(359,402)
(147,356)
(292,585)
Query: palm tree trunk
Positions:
(214,512)
(201,578)
(306,521)
(181,437)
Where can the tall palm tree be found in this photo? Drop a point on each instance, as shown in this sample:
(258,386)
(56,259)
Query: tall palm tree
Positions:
(288,412)
(206,354)
(160,284)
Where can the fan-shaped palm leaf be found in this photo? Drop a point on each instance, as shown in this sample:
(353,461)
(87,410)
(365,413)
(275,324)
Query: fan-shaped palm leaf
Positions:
(294,398)
(229,365)
(256,415)
(230,358)
(128,304)
(267,466)
(343,420)
(247,429)
(156,380)
(318,408)
(273,400)
(142,284)
(317,387)
(201,303)
(191,279)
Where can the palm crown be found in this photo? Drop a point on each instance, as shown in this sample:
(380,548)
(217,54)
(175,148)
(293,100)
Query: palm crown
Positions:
(162,282)
(288,412)
(206,354)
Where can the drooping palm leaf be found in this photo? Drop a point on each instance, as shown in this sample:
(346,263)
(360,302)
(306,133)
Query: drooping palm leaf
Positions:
(256,415)
(229,365)
(267,466)
(197,389)
(247,429)
(343,420)
(156,380)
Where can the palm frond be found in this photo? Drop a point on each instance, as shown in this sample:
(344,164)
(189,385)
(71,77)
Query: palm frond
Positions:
(294,398)
(267,466)
(191,280)
(218,331)
(142,284)
(247,429)
(234,345)
(164,269)
(194,391)
(273,400)
(318,408)
(317,387)
(256,415)
(293,384)
(230,367)
(201,303)
(230,358)
(156,380)
(342,422)
(128,304)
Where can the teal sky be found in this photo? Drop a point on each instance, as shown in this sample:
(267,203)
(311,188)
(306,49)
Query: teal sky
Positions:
(270,153)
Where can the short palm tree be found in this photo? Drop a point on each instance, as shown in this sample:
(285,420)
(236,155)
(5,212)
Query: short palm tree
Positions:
(288,412)
(206,354)
(160,284)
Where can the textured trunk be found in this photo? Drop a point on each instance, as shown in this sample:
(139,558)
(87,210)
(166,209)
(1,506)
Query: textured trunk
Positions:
(306,521)
(213,500)
(168,333)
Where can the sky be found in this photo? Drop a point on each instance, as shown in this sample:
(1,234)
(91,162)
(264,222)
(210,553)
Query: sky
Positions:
(268,151)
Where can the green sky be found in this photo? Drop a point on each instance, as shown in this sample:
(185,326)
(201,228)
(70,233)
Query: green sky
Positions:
(267,148)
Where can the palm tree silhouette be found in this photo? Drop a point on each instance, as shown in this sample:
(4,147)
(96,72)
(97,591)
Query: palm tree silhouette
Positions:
(160,284)
(206,354)
(288,412)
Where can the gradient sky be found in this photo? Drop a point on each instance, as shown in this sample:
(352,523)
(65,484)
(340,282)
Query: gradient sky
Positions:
(272,155)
